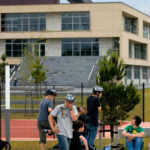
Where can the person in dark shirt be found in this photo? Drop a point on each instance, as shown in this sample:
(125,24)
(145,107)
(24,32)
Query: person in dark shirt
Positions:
(82,114)
(93,108)
(45,108)
(78,138)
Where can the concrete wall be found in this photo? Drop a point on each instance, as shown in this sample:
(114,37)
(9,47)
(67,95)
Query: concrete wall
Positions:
(2,47)
(53,47)
(105,45)
(53,22)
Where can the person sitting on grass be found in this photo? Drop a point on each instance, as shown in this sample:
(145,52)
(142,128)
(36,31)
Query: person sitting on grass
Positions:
(78,138)
(134,134)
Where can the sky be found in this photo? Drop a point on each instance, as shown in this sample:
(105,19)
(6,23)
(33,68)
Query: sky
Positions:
(141,5)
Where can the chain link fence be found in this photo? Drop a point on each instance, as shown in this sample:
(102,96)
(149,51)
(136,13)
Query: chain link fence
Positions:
(24,106)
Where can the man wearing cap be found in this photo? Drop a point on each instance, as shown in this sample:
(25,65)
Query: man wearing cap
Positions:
(45,108)
(93,108)
(65,114)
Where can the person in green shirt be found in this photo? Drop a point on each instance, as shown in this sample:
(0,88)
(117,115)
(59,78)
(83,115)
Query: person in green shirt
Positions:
(134,134)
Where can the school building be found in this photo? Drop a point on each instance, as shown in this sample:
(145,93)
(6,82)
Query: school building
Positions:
(77,31)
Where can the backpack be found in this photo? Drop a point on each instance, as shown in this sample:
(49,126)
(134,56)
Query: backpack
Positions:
(117,146)
(5,144)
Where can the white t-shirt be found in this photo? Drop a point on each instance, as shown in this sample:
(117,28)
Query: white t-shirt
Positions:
(64,122)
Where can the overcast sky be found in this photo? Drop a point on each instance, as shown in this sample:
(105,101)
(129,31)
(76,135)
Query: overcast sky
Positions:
(142,5)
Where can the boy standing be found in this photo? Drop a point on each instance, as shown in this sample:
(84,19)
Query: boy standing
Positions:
(65,114)
(45,108)
(93,107)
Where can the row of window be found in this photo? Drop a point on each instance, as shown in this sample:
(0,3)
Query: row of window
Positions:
(15,48)
(23,22)
(137,72)
(70,47)
(37,21)
(76,21)
(130,25)
(137,50)
(80,47)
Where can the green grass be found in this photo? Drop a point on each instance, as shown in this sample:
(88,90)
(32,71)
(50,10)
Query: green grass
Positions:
(23,145)
(34,145)
(137,110)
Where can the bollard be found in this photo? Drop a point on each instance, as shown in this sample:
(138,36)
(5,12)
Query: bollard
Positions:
(148,148)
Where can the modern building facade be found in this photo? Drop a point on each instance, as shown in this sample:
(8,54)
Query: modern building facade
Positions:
(86,29)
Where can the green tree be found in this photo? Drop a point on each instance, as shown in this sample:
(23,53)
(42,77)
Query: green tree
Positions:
(2,68)
(27,67)
(118,100)
(32,70)
(38,72)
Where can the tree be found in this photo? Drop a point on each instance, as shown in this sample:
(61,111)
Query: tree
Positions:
(38,72)
(27,67)
(2,68)
(118,100)
(32,70)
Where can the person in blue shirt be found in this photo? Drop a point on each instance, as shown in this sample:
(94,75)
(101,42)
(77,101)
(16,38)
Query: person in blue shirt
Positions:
(45,108)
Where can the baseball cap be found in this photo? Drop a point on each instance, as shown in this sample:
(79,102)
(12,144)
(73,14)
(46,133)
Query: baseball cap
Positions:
(51,92)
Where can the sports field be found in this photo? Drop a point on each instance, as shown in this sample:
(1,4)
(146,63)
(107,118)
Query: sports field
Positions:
(24,134)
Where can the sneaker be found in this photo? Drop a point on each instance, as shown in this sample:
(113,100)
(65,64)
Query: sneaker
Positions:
(46,132)
(92,147)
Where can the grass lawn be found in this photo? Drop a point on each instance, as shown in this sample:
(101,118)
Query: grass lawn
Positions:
(36,146)
(137,111)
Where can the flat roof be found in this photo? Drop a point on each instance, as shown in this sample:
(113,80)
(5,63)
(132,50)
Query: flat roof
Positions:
(28,2)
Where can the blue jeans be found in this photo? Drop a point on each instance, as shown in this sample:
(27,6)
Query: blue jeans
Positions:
(135,144)
(92,131)
(64,142)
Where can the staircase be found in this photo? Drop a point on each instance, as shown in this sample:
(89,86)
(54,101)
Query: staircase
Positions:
(69,71)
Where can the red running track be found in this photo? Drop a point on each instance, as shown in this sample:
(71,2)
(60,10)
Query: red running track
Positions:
(26,129)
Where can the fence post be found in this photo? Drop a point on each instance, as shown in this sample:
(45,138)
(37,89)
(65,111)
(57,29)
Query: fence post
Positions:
(54,98)
(81,94)
(7,102)
(0,107)
(143,102)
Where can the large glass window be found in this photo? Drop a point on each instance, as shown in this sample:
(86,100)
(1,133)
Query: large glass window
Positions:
(144,72)
(136,72)
(130,49)
(130,24)
(80,47)
(15,48)
(140,51)
(23,22)
(75,21)
(145,31)
(129,72)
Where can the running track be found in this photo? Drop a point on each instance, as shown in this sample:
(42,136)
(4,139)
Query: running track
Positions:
(26,129)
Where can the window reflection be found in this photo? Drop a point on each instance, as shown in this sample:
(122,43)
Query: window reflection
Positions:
(15,48)
(23,22)
(80,47)
(76,21)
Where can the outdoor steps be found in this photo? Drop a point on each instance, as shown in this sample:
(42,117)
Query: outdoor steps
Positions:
(69,71)
(66,71)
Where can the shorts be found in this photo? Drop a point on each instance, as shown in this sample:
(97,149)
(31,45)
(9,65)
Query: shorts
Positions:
(41,126)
